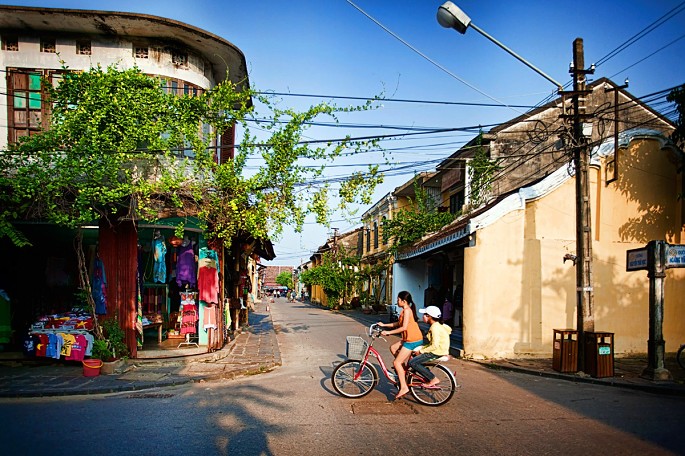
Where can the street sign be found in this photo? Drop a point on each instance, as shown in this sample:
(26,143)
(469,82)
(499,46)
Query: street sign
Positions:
(675,256)
(636,259)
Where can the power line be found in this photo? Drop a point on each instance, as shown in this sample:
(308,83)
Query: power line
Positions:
(642,33)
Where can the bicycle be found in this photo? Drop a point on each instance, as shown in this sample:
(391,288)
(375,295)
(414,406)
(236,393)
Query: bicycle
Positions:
(680,356)
(356,377)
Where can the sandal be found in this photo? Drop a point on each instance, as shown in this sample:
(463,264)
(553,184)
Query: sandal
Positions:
(429,387)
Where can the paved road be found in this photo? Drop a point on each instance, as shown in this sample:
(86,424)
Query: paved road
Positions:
(293,410)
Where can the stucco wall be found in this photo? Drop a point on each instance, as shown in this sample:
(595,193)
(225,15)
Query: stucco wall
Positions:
(517,288)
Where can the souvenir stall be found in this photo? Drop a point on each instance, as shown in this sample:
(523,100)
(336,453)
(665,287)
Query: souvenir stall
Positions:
(66,336)
(180,300)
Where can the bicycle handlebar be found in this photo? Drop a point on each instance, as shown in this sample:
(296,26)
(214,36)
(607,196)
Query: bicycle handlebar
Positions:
(375,331)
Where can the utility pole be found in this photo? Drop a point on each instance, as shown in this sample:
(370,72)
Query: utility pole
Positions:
(581,159)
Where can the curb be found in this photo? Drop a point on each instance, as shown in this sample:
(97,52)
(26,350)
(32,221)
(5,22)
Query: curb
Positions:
(665,389)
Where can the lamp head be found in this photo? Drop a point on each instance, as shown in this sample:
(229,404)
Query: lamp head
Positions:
(450,16)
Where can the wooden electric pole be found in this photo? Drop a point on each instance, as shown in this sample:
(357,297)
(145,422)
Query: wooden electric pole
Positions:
(581,160)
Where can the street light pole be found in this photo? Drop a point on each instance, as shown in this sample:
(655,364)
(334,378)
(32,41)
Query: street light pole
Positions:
(450,16)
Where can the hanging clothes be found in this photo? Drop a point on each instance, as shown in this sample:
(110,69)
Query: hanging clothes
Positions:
(185,265)
(159,266)
(208,276)
(139,310)
(99,287)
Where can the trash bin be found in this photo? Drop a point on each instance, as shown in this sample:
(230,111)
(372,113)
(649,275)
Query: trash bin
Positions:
(565,350)
(599,354)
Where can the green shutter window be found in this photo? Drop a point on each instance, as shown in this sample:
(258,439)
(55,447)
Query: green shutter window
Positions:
(19,100)
(34,81)
(34,100)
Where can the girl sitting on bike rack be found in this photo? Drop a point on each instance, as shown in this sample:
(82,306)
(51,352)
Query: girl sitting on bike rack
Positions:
(438,345)
(411,338)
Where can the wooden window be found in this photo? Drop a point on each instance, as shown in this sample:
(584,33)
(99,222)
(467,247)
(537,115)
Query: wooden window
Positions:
(25,97)
(179,58)
(375,235)
(383,238)
(457,202)
(10,43)
(83,47)
(141,52)
(368,239)
(48,45)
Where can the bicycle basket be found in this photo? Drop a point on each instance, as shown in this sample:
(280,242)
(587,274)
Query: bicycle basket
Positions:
(356,347)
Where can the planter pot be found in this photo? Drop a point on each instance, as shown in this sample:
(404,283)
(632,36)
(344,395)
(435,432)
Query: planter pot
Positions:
(111,367)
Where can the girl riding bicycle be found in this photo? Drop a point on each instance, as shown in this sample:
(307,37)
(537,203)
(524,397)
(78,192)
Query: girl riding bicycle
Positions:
(411,338)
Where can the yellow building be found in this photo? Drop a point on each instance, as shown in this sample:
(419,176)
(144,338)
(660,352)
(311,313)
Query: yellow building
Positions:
(503,262)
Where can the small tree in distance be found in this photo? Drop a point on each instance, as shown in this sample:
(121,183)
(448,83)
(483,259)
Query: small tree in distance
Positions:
(285,279)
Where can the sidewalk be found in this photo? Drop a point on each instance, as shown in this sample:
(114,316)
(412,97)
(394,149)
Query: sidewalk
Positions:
(254,350)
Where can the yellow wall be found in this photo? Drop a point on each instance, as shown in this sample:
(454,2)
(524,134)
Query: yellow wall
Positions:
(517,288)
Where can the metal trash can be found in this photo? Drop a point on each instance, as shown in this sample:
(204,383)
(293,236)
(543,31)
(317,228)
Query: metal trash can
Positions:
(565,350)
(599,354)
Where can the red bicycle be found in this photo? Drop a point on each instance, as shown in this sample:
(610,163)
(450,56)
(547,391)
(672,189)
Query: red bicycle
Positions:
(356,377)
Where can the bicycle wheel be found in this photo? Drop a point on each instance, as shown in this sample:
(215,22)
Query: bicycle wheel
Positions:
(434,396)
(681,356)
(345,384)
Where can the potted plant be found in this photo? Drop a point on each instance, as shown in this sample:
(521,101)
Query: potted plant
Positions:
(111,350)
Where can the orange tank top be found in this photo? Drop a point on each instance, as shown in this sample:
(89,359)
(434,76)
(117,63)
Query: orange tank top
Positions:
(413,332)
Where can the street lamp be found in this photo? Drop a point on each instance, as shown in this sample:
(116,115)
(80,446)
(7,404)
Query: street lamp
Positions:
(451,16)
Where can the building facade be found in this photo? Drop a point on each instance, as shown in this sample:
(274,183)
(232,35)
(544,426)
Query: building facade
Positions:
(502,263)
(45,43)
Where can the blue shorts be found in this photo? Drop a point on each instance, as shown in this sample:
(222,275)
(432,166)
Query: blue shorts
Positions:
(412,345)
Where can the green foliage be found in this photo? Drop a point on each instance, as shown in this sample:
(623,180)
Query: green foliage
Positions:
(285,278)
(481,171)
(677,97)
(116,148)
(115,339)
(335,277)
(102,350)
(413,222)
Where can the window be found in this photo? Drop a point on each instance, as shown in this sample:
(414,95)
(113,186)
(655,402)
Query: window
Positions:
(383,238)
(368,239)
(83,47)
(141,52)
(457,202)
(375,235)
(10,43)
(48,45)
(179,58)
(25,104)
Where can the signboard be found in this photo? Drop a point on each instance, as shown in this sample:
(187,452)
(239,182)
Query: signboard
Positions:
(604,350)
(636,259)
(675,256)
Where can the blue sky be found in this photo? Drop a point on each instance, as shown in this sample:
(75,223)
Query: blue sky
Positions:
(328,47)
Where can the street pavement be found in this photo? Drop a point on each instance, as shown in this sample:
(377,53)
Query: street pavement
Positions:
(254,350)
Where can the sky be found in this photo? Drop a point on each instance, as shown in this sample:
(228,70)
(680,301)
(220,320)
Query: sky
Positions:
(365,48)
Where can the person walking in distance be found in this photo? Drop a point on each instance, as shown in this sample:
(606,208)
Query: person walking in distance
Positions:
(411,338)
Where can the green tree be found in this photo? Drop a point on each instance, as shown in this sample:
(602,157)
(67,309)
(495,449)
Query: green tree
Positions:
(115,149)
(285,279)
(117,146)
(677,97)
(414,221)
(481,172)
(335,275)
